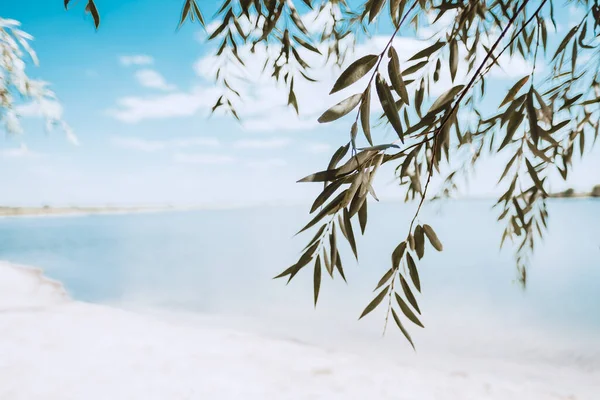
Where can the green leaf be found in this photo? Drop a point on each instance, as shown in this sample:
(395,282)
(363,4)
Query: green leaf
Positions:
(376,6)
(426,52)
(317,236)
(402,329)
(397,255)
(340,109)
(514,90)
(414,273)
(396,76)
(375,302)
(365,114)
(386,277)
(409,294)
(350,232)
(433,239)
(338,265)
(338,155)
(453,59)
(317,279)
(325,194)
(419,241)
(362,217)
(445,98)
(354,72)
(321,176)
(91,7)
(407,311)
(414,68)
(565,41)
(330,208)
(380,147)
(387,103)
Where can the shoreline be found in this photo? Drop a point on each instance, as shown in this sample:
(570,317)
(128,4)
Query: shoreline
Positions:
(96,351)
(75,211)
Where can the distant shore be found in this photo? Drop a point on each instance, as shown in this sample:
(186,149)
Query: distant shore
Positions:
(66,211)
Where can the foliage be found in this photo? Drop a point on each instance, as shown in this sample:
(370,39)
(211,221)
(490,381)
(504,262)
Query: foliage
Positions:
(16,87)
(543,121)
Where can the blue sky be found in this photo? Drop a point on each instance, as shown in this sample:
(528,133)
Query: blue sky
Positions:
(137,94)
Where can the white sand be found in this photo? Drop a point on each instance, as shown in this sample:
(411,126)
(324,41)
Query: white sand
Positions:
(54,348)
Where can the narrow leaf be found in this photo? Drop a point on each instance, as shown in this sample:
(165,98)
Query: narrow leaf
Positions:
(375,302)
(402,329)
(340,109)
(354,72)
(407,311)
(433,239)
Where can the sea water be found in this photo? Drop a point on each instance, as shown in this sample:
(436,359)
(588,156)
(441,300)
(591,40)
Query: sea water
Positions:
(218,265)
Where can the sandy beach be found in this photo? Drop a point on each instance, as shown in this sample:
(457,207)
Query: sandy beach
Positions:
(52,347)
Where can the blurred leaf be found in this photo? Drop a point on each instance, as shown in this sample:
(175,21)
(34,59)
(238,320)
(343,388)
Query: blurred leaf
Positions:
(514,90)
(402,329)
(375,8)
(453,59)
(91,7)
(317,279)
(354,72)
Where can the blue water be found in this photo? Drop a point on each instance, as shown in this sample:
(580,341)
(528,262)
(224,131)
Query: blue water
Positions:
(220,262)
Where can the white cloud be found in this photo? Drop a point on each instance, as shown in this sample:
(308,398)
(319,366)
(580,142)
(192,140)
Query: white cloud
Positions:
(152,79)
(136,59)
(264,106)
(44,108)
(21,152)
(317,148)
(176,104)
(268,163)
(274,143)
(147,145)
(202,159)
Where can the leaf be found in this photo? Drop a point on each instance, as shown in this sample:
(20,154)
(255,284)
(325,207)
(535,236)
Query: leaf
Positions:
(402,329)
(350,232)
(340,109)
(453,59)
(317,279)
(396,76)
(534,176)
(330,208)
(338,155)
(376,6)
(375,302)
(407,311)
(426,52)
(362,217)
(565,41)
(380,147)
(419,241)
(325,194)
(306,45)
(414,68)
(409,294)
(414,273)
(388,105)
(91,7)
(66,3)
(514,90)
(338,265)
(433,239)
(386,277)
(365,114)
(321,176)
(446,98)
(354,72)
(397,255)
(317,236)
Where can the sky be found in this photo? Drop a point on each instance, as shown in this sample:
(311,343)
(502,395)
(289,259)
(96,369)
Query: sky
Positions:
(137,94)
